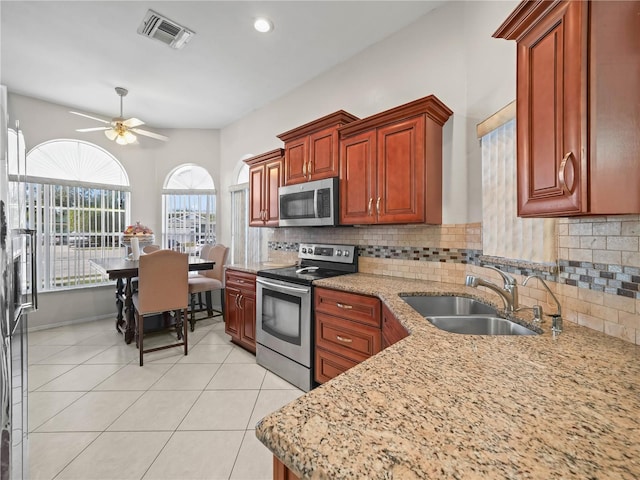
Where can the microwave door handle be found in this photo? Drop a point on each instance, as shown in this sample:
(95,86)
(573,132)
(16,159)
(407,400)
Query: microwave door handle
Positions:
(315,203)
(282,287)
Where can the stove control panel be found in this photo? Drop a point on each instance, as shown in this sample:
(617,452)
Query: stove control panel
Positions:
(330,253)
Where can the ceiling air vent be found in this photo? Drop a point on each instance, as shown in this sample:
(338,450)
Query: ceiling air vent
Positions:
(167,31)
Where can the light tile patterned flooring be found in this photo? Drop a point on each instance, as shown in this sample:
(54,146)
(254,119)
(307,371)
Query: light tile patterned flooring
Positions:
(94,413)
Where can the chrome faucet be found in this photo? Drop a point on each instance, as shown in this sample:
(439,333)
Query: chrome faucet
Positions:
(556,325)
(508,293)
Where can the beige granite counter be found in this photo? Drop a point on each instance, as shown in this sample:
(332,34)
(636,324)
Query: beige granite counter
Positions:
(443,405)
(255,267)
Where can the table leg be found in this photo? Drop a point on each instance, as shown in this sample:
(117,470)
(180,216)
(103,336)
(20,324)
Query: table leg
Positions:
(119,305)
(128,306)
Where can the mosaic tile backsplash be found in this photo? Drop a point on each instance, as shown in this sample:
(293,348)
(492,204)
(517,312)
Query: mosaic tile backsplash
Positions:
(597,276)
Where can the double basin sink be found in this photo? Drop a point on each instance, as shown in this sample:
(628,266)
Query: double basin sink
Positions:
(464,315)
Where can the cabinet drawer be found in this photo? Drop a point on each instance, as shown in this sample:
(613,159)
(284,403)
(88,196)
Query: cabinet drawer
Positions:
(352,340)
(329,365)
(241,280)
(351,306)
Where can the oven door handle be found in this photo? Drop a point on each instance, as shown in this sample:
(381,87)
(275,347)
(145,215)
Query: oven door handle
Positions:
(282,287)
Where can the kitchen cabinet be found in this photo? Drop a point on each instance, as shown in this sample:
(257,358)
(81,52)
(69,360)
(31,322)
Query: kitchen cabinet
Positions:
(391,165)
(392,329)
(578,107)
(311,152)
(240,308)
(347,330)
(265,177)
(281,472)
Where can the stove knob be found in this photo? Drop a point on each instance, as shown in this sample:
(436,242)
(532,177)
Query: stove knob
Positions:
(346,253)
(304,250)
(339,253)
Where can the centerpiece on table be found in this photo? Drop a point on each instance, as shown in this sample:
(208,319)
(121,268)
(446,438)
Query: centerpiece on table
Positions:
(143,233)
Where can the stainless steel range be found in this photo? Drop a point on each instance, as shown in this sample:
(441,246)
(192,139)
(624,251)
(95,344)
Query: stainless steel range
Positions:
(284,310)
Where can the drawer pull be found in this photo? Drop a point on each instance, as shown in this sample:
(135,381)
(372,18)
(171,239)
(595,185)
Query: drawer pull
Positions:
(343,339)
(344,306)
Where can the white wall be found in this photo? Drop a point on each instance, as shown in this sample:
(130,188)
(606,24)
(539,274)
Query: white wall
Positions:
(147,165)
(448,52)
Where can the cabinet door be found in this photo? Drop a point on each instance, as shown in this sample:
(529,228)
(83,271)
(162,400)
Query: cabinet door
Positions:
(357,178)
(323,154)
(296,156)
(256,196)
(231,312)
(248,315)
(401,172)
(273,180)
(552,113)
(392,329)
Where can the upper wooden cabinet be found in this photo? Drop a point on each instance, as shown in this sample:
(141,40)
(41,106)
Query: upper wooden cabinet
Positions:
(265,177)
(578,106)
(311,151)
(391,165)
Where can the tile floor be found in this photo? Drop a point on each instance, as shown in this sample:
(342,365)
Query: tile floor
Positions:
(94,413)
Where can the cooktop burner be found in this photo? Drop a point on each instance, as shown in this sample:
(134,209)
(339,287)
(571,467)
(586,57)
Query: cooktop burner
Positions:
(317,261)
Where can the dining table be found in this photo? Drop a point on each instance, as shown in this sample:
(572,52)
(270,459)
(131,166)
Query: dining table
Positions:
(123,270)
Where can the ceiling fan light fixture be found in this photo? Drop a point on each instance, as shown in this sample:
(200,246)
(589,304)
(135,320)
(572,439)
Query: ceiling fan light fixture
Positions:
(111,134)
(129,137)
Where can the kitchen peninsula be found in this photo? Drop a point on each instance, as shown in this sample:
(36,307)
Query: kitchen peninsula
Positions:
(443,405)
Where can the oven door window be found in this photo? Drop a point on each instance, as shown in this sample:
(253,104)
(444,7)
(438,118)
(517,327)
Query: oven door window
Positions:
(281,316)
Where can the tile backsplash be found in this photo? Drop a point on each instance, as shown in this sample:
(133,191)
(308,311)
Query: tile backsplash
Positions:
(596,276)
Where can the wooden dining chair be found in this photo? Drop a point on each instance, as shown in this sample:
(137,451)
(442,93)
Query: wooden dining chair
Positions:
(162,287)
(206,282)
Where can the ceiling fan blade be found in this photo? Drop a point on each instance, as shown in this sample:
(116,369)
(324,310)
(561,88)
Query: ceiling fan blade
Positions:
(133,122)
(146,133)
(94,129)
(92,118)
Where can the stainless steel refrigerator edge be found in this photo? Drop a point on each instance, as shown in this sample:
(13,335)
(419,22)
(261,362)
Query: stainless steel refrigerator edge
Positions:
(17,264)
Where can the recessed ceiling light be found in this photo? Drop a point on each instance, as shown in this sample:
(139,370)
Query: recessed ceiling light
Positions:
(263,25)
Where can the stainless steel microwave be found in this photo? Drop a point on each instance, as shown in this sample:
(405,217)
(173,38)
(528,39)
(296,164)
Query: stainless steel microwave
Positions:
(310,204)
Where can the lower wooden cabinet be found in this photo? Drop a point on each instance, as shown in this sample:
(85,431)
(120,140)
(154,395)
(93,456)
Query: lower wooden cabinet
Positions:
(240,308)
(281,472)
(347,331)
(392,329)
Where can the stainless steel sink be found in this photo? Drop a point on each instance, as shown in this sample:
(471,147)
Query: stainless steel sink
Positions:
(428,306)
(464,315)
(479,325)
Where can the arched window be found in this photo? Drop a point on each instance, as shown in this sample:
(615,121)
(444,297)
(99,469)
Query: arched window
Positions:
(77,200)
(188,209)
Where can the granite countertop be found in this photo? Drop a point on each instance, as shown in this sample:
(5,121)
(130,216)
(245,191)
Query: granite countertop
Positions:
(255,267)
(444,405)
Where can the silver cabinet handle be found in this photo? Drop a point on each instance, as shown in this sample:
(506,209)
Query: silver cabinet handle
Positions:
(343,339)
(304,169)
(344,306)
(309,165)
(562,173)
(369,207)
(378,206)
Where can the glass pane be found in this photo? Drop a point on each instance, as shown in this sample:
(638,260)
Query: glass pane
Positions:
(281,316)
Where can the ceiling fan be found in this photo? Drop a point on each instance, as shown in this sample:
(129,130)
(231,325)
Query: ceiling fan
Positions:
(119,129)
